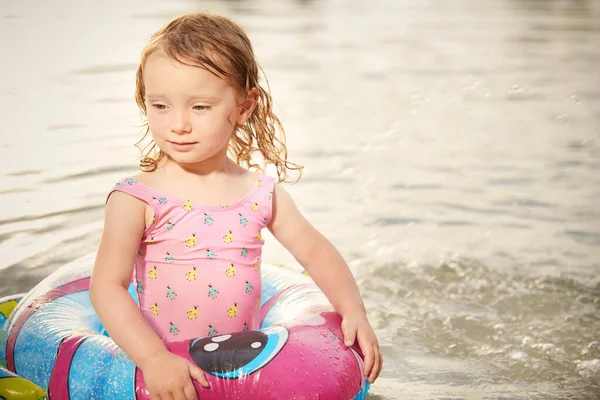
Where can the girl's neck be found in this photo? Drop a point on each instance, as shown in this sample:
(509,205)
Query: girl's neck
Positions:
(209,168)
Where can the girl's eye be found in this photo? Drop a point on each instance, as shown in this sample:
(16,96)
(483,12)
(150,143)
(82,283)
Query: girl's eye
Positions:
(159,106)
(201,108)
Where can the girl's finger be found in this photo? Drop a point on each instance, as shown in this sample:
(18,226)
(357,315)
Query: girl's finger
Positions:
(349,336)
(198,375)
(369,358)
(190,392)
(179,395)
(376,365)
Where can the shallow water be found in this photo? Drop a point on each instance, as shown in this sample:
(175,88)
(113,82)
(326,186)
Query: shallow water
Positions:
(451,152)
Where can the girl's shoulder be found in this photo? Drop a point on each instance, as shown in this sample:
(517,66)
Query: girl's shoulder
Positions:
(133,194)
(131,183)
(135,185)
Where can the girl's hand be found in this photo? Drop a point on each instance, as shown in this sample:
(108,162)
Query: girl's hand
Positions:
(356,326)
(169,377)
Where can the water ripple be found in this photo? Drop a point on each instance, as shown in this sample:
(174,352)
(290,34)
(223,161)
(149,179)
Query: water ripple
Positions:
(90,173)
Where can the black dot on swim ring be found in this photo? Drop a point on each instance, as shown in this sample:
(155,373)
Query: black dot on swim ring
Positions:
(238,354)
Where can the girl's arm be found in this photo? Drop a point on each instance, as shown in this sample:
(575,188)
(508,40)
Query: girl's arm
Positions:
(330,272)
(316,254)
(165,373)
(124,225)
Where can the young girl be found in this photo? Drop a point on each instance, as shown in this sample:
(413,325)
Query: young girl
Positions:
(188,226)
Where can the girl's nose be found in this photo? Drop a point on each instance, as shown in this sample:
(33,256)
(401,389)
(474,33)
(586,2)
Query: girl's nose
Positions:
(181,123)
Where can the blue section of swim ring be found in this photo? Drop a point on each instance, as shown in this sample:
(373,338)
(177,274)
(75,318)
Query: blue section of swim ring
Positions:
(97,373)
(75,312)
(268,291)
(363,392)
(133,293)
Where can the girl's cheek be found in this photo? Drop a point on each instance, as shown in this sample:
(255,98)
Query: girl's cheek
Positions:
(155,122)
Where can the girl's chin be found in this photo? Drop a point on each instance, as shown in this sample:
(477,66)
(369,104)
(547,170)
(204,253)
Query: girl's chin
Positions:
(188,158)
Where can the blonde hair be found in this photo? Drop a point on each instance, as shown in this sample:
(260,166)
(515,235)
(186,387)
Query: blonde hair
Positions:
(220,45)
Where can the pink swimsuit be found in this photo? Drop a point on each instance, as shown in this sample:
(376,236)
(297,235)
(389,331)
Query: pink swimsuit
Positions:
(198,267)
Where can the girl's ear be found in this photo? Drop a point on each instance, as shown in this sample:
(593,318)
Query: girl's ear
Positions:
(248,106)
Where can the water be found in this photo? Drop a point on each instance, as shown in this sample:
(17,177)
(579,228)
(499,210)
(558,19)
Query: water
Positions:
(451,152)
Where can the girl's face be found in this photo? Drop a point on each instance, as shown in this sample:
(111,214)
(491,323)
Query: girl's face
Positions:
(191,112)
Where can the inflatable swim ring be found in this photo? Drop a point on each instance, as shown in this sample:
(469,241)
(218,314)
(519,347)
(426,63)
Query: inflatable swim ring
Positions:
(13,387)
(54,339)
